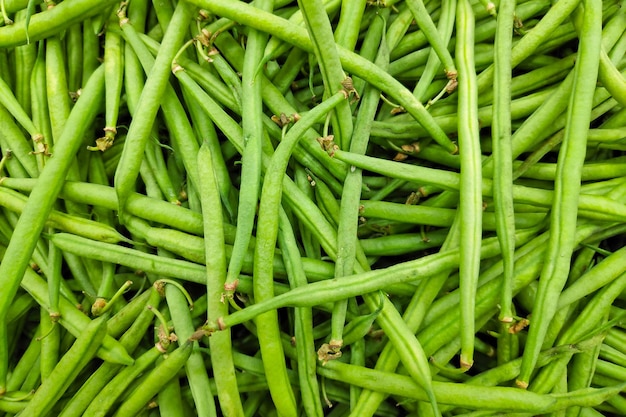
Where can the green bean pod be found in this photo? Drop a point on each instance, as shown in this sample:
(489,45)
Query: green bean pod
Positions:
(251,158)
(220,344)
(470,204)
(67,369)
(567,186)
(155,380)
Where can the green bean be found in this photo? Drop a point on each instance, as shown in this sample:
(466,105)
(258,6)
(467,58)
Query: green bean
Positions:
(470,205)
(251,157)
(463,395)
(349,209)
(434,38)
(351,62)
(139,130)
(33,217)
(101,404)
(50,22)
(49,343)
(567,186)
(309,387)
(73,224)
(205,132)
(25,363)
(267,230)
(91,49)
(113,80)
(169,399)
(446,24)
(220,344)
(67,369)
(348,25)
(502,156)
(321,35)
(129,257)
(533,39)
(12,138)
(155,380)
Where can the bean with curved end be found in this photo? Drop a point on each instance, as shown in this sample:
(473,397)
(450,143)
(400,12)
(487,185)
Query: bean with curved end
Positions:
(567,186)
(72,362)
(267,230)
(40,203)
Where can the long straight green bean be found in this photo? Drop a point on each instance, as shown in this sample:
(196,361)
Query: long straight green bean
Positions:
(470,204)
(567,187)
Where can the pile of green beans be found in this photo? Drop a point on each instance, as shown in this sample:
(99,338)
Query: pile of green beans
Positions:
(312,208)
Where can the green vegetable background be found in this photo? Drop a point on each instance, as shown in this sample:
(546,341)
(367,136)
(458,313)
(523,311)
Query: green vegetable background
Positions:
(312,208)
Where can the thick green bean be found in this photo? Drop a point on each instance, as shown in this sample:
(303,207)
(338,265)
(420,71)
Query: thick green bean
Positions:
(267,230)
(567,186)
(67,369)
(470,204)
(220,344)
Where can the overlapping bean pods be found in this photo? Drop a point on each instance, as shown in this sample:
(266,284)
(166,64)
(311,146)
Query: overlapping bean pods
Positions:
(312,207)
